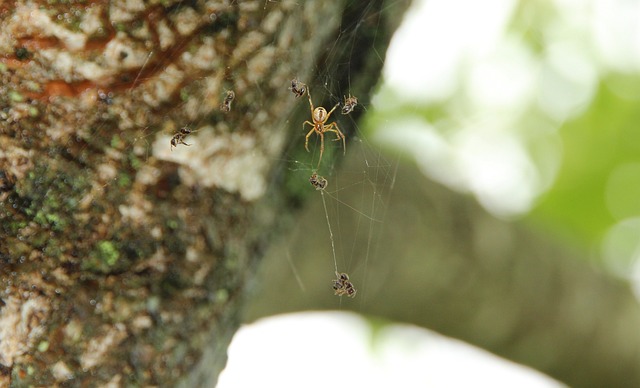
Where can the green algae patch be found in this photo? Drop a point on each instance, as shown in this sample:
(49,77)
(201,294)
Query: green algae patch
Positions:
(105,258)
(108,253)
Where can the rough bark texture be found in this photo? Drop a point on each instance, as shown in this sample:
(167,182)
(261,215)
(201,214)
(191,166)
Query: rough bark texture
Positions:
(440,261)
(121,260)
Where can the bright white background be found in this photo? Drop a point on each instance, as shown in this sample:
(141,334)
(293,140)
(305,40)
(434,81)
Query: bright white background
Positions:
(339,350)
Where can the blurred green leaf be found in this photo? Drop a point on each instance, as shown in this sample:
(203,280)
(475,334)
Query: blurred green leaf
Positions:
(595,144)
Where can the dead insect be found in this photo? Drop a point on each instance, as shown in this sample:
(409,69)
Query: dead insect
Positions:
(349,104)
(317,181)
(342,286)
(298,88)
(226,104)
(179,137)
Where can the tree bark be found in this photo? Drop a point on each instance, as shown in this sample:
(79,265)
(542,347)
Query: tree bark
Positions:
(123,260)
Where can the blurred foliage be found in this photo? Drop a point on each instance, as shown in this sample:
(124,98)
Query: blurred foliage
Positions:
(584,152)
(581,202)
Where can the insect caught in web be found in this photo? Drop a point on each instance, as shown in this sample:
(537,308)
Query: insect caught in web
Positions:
(342,286)
(320,116)
(318,182)
(226,104)
(349,104)
(179,137)
(298,88)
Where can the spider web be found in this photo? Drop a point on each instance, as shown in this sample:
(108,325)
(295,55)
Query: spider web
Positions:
(353,204)
(340,228)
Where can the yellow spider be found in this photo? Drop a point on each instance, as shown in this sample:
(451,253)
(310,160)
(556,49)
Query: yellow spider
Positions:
(320,116)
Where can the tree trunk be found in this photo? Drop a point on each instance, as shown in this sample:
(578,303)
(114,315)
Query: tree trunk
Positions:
(122,259)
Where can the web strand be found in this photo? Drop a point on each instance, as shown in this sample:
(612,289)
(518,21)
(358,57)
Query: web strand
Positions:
(333,247)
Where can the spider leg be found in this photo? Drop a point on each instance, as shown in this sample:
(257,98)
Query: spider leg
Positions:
(321,147)
(310,102)
(331,111)
(306,139)
(333,127)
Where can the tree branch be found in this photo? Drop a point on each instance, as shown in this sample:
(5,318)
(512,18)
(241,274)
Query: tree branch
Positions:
(440,261)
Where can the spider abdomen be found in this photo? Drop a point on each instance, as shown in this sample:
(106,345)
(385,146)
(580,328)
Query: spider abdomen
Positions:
(320,115)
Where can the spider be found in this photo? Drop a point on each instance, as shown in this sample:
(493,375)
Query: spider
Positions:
(342,286)
(179,137)
(320,116)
